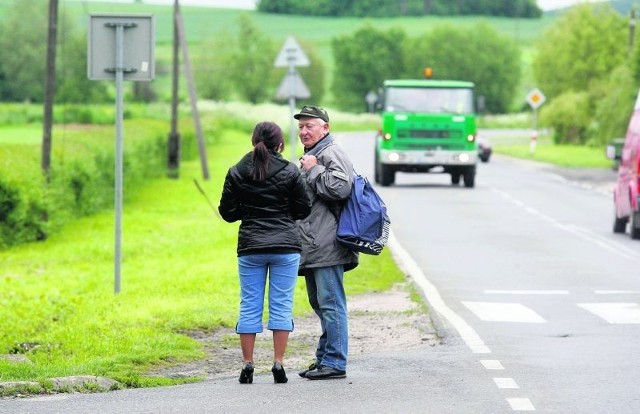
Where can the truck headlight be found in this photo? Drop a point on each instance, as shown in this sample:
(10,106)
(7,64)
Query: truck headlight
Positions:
(463,157)
(394,156)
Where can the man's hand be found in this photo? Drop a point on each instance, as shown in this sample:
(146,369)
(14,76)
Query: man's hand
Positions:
(308,161)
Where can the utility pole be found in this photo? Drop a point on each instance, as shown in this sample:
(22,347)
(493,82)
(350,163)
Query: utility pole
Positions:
(49,88)
(202,149)
(173,162)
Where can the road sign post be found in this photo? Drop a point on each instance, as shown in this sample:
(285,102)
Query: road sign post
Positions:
(107,60)
(292,86)
(535,98)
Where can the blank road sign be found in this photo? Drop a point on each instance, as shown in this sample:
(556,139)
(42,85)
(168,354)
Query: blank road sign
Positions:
(138,46)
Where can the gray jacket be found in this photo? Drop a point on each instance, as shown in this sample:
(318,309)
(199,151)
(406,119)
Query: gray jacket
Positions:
(328,185)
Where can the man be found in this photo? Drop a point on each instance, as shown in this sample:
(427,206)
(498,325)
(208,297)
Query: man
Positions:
(328,174)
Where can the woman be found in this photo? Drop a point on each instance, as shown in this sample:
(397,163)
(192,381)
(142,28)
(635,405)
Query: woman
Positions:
(266,193)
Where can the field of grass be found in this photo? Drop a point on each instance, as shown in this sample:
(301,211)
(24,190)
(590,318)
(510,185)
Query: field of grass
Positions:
(561,155)
(203,24)
(179,274)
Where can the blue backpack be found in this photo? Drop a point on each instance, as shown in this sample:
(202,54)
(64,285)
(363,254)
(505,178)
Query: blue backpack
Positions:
(363,225)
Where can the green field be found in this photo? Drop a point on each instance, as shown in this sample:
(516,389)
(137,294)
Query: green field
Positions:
(203,24)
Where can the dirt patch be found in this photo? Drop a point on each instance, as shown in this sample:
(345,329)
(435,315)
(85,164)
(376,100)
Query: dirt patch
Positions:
(377,322)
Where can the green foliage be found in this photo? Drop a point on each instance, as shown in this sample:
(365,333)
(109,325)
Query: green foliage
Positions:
(24,32)
(581,62)
(22,69)
(389,8)
(478,54)
(363,61)
(585,44)
(211,67)
(570,117)
(251,66)
(72,83)
(614,101)
(81,181)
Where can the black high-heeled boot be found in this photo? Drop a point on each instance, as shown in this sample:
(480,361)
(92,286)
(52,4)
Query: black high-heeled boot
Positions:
(279,376)
(246,375)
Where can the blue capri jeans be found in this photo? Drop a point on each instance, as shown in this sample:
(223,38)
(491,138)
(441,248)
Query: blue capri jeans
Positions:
(282,271)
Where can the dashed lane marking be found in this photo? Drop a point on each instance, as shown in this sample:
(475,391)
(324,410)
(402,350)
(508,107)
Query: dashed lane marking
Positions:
(504,312)
(520,404)
(505,383)
(615,313)
(492,364)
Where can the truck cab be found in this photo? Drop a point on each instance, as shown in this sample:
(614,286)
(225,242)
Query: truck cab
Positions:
(626,193)
(427,126)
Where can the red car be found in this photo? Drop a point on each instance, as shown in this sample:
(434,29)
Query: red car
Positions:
(626,194)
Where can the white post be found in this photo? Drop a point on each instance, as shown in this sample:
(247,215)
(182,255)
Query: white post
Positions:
(292,106)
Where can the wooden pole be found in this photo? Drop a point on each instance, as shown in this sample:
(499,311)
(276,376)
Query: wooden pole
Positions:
(49,88)
(193,97)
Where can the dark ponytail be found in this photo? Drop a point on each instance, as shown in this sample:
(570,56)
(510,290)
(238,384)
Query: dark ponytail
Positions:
(267,137)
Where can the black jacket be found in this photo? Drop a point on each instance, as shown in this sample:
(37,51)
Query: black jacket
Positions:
(267,209)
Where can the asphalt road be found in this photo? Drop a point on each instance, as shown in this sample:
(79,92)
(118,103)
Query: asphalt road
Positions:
(536,299)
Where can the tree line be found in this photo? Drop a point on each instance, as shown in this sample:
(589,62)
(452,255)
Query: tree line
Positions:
(585,63)
(393,8)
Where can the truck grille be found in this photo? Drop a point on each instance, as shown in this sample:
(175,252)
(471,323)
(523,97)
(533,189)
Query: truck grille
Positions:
(428,133)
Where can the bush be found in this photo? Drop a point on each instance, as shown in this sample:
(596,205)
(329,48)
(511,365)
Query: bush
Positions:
(569,116)
(81,179)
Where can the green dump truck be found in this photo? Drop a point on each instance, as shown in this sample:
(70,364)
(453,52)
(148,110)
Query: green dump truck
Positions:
(428,125)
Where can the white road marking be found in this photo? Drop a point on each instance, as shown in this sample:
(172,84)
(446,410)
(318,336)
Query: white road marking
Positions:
(614,313)
(504,312)
(406,262)
(506,383)
(526,292)
(520,404)
(491,364)
(585,234)
(616,292)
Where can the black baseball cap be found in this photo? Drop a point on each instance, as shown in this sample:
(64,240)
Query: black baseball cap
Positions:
(313,112)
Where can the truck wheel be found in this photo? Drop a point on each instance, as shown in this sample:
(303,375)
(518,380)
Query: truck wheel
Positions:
(376,168)
(455,178)
(634,225)
(469,177)
(619,224)
(387,175)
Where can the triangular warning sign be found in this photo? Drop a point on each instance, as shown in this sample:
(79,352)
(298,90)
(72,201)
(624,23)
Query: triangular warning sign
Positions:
(292,85)
(291,53)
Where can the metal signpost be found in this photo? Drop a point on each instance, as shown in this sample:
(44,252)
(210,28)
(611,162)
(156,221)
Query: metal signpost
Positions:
(292,86)
(535,98)
(108,59)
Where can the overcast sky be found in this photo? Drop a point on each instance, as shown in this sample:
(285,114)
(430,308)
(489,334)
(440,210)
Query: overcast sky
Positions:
(556,4)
